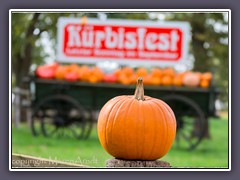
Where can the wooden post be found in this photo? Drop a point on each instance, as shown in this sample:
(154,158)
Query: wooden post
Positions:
(112,163)
(19,103)
(17,108)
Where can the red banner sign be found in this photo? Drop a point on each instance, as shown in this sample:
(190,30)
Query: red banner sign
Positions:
(126,43)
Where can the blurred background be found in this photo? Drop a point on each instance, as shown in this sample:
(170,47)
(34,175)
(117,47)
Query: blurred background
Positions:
(34,44)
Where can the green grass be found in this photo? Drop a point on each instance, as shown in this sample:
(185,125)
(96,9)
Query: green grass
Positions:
(210,153)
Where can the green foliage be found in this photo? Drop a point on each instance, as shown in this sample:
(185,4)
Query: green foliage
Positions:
(127,15)
(209,154)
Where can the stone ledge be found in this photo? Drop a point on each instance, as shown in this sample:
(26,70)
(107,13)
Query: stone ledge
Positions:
(111,163)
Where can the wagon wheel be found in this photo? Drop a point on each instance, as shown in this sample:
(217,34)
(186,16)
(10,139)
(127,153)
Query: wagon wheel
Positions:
(191,122)
(89,124)
(59,115)
(35,122)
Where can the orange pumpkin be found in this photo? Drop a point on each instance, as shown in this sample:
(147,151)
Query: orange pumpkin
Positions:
(156,72)
(136,127)
(60,72)
(94,75)
(127,71)
(191,79)
(204,83)
(134,78)
(167,80)
(73,68)
(168,72)
(141,72)
(98,73)
(206,76)
(117,72)
(93,79)
(177,81)
(123,79)
(155,80)
(83,73)
(147,80)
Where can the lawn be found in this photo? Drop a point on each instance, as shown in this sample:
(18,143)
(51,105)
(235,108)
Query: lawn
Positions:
(210,153)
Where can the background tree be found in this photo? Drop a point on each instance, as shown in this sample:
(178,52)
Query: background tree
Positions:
(209,44)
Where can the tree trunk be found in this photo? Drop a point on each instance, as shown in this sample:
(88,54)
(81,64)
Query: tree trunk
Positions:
(23,62)
(198,39)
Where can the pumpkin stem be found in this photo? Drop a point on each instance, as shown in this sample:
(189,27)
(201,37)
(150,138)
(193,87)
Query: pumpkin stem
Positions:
(139,92)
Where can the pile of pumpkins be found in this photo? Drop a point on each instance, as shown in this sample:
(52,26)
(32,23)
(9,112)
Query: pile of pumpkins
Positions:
(125,75)
(164,77)
(72,72)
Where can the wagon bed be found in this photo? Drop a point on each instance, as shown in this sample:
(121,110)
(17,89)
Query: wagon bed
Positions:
(94,96)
